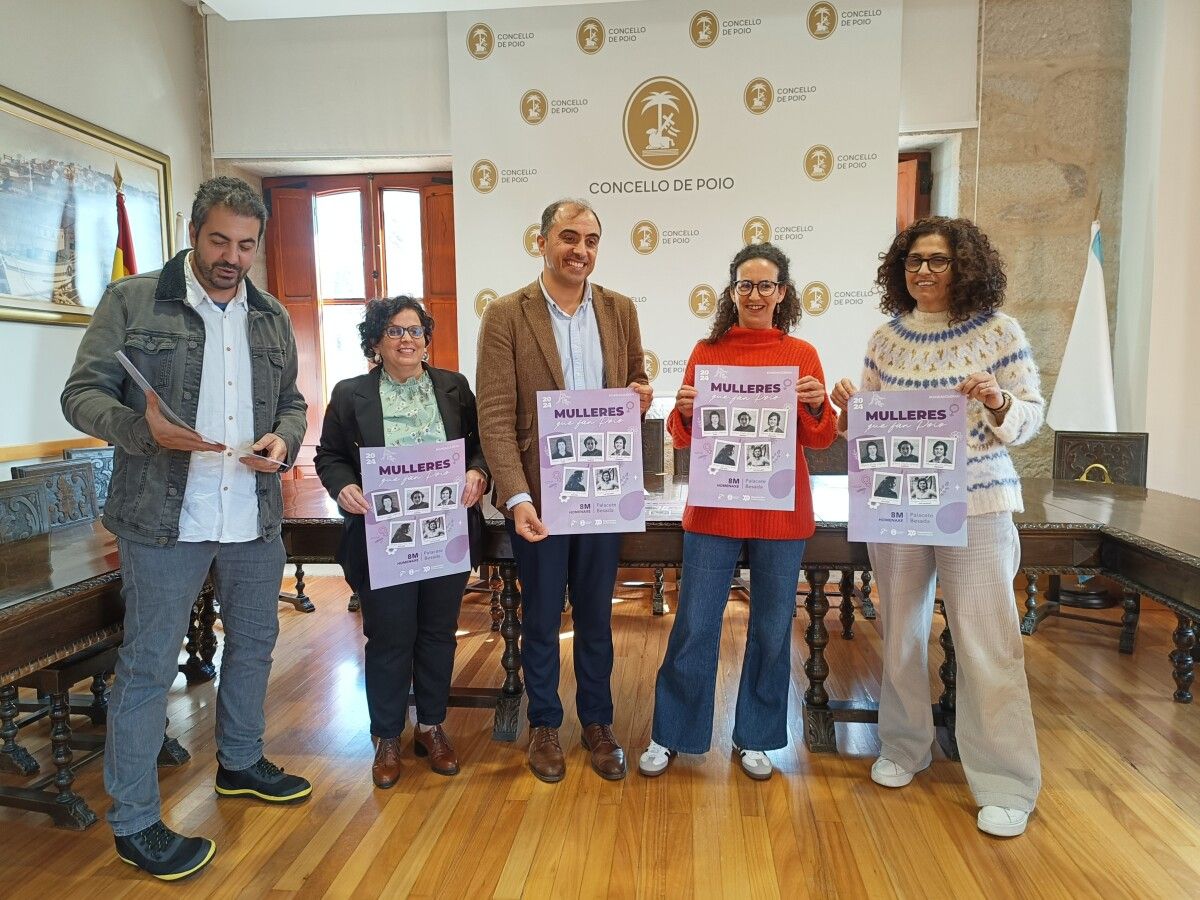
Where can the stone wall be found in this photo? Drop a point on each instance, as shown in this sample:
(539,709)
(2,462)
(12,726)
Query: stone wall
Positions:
(1050,144)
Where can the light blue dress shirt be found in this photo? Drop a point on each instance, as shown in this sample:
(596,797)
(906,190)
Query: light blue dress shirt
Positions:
(579,353)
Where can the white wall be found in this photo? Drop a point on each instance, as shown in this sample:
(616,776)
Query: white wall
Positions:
(1156,366)
(130,66)
(380,85)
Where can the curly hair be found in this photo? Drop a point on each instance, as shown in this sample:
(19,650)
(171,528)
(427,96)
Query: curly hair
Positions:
(978,283)
(379,312)
(786,314)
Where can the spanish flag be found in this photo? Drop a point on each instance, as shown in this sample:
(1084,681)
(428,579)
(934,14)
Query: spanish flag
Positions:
(124,262)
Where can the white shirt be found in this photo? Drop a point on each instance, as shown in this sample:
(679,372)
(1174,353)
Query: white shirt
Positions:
(220,502)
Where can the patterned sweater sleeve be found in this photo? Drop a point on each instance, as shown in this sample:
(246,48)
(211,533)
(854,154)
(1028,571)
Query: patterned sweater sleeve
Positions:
(870,375)
(1017,373)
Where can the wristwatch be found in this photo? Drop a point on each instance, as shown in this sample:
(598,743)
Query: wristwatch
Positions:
(1003,407)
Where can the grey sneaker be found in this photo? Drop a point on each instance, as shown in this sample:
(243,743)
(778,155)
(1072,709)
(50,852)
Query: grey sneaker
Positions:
(754,763)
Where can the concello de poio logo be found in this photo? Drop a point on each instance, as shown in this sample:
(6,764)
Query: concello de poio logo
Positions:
(702,301)
(482,299)
(758,95)
(815,298)
(661,122)
(703,29)
(653,366)
(644,236)
(757,230)
(818,162)
(589,36)
(484,176)
(481,40)
(822,20)
(529,240)
(534,107)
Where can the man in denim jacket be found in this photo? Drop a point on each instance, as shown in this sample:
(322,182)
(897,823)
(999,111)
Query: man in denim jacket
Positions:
(221,354)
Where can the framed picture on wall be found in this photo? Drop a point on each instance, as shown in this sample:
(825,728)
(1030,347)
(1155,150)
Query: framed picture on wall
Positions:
(58,210)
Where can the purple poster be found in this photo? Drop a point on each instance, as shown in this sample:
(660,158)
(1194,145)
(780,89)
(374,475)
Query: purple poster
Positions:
(417,526)
(907,459)
(590,450)
(744,437)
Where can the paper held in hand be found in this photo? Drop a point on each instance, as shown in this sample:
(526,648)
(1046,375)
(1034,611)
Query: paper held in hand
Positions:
(171,416)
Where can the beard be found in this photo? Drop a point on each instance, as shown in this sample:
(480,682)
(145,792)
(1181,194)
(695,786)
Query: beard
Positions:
(220,276)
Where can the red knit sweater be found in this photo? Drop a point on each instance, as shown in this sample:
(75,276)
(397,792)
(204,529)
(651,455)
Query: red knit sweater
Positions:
(758,347)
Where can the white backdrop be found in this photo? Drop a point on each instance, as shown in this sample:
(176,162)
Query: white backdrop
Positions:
(692,131)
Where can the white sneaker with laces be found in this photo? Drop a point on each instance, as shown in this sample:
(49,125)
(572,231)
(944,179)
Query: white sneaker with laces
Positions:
(655,760)
(890,774)
(754,763)
(1002,821)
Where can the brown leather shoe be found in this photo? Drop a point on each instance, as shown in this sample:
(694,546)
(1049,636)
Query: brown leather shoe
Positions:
(608,759)
(385,771)
(436,746)
(545,754)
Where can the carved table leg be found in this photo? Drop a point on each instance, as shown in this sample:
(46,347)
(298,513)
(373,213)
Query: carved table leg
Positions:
(846,585)
(868,608)
(819,733)
(1132,608)
(201,641)
(657,606)
(1181,659)
(497,584)
(355,603)
(98,711)
(299,600)
(508,707)
(71,810)
(13,757)
(1029,624)
(171,753)
(948,671)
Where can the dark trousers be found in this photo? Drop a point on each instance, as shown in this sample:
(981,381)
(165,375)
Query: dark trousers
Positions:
(587,563)
(410,639)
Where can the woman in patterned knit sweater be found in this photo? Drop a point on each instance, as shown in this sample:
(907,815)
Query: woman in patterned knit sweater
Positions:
(944,283)
(753,319)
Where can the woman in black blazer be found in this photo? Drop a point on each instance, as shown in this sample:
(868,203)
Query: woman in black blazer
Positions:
(410,628)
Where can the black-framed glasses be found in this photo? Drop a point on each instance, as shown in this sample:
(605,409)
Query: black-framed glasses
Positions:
(765,288)
(416,332)
(937,264)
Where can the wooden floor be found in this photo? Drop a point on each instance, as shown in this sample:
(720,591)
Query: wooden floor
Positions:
(1119,815)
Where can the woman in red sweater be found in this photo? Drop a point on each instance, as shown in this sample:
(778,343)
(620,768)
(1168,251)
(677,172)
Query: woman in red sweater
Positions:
(753,319)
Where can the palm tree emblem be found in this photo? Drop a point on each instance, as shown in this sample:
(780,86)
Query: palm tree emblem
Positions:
(704,25)
(590,30)
(759,90)
(758,233)
(816,162)
(703,298)
(662,138)
(534,107)
(482,38)
(484,174)
(645,236)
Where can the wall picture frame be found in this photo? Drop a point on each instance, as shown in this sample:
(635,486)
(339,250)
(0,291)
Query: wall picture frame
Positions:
(58,214)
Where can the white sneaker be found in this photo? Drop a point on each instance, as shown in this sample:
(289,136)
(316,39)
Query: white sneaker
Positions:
(655,760)
(754,763)
(1002,821)
(890,774)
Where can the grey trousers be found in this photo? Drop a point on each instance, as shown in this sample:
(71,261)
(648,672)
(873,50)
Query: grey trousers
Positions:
(159,586)
(994,721)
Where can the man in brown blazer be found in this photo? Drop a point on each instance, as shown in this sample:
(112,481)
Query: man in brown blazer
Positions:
(559,333)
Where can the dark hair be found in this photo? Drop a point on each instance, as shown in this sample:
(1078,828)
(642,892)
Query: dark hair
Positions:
(232,193)
(551,211)
(978,283)
(380,311)
(945,447)
(787,313)
(907,444)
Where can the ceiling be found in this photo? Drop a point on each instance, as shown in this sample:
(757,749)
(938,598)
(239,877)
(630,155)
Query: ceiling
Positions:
(237,10)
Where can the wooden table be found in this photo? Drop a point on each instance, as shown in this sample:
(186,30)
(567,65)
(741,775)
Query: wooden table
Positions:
(1147,540)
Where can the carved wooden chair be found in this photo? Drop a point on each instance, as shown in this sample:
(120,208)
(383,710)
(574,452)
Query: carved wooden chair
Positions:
(23,512)
(70,490)
(1109,457)
(101,459)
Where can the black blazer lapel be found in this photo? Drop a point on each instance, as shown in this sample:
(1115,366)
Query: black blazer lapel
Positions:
(368,409)
(445,391)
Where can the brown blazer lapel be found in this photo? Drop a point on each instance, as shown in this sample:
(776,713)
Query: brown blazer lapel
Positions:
(533,304)
(611,348)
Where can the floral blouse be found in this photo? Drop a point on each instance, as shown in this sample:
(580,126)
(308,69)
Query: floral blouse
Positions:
(410,411)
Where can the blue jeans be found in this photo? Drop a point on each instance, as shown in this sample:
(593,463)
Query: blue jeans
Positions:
(687,679)
(159,586)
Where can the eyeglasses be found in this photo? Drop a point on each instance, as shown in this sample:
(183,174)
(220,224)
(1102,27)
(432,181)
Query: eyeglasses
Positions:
(765,288)
(416,332)
(936,263)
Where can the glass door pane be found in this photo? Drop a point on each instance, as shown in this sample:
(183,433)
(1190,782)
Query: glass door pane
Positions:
(340,343)
(403,267)
(337,233)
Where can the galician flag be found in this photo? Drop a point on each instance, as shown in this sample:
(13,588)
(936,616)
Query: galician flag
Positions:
(1083,396)
(124,261)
